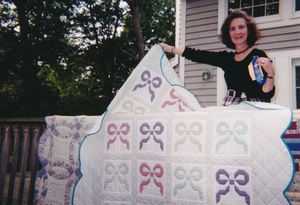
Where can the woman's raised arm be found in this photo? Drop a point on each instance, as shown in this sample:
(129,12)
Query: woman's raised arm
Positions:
(171,49)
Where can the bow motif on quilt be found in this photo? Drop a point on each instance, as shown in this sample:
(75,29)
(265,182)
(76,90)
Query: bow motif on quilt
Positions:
(158,128)
(232,182)
(129,108)
(182,129)
(155,82)
(158,172)
(178,100)
(113,130)
(194,176)
(240,128)
(118,172)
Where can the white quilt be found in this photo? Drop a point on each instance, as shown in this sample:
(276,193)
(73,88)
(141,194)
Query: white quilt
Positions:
(156,145)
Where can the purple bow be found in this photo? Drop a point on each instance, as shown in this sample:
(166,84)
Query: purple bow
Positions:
(232,182)
(158,128)
(155,82)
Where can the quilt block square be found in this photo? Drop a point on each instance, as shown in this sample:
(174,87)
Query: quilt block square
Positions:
(232,136)
(189,183)
(152,135)
(147,86)
(189,137)
(119,136)
(232,185)
(151,179)
(116,176)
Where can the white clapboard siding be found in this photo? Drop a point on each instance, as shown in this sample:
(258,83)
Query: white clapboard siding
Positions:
(202,33)
(283,38)
(197,35)
(279,42)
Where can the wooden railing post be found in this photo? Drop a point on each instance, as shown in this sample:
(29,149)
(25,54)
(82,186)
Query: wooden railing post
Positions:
(24,158)
(37,131)
(16,131)
(5,151)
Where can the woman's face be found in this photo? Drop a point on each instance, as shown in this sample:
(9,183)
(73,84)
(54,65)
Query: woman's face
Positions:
(238,31)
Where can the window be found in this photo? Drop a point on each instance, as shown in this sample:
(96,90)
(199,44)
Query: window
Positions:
(256,8)
(297,5)
(267,13)
(298,86)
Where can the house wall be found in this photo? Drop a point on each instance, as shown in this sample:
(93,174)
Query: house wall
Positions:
(282,44)
(202,33)
(280,40)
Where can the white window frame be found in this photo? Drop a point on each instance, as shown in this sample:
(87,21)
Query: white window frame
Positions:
(287,15)
(296,14)
(284,64)
(295,63)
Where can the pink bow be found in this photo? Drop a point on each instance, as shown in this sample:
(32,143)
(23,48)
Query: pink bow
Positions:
(152,174)
(112,129)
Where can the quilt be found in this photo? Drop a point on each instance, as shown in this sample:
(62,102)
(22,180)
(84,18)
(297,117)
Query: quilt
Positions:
(58,154)
(157,145)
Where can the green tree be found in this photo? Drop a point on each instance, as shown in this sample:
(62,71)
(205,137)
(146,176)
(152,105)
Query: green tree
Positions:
(32,35)
(157,19)
(71,57)
(104,66)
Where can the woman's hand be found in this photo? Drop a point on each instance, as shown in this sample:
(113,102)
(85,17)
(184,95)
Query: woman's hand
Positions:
(266,64)
(171,49)
(165,47)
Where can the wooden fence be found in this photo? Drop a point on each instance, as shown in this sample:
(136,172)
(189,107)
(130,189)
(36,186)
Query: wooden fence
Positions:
(18,159)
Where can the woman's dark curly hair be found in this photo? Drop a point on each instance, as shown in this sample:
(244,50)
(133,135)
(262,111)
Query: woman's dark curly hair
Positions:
(253,35)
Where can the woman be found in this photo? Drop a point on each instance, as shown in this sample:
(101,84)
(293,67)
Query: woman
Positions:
(238,32)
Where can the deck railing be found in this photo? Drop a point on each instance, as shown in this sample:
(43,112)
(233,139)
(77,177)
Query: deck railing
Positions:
(18,158)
